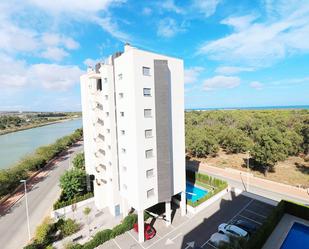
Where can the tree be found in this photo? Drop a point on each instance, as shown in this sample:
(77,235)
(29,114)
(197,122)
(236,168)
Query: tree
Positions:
(73,183)
(294,142)
(235,141)
(79,161)
(270,147)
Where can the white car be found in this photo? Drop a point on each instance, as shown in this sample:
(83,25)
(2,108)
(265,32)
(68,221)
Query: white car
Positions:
(218,239)
(232,230)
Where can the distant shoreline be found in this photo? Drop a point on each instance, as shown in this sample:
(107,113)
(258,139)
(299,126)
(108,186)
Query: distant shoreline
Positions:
(35,126)
(292,107)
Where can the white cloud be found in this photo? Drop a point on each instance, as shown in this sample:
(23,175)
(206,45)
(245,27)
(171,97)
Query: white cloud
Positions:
(55,54)
(171,6)
(92,62)
(206,7)
(227,70)
(240,22)
(256,85)
(147,11)
(168,28)
(221,81)
(192,74)
(54,39)
(262,43)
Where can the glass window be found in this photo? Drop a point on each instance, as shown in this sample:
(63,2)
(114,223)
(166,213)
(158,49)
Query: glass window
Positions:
(100,121)
(106,97)
(147,92)
(149,173)
(107,114)
(110,163)
(147,113)
(99,85)
(121,95)
(123,132)
(109,147)
(123,150)
(101,137)
(150,193)
(125,186)
(99,106)
(122,114)
(108,130)
(149,153)
(124,168)
(146,71)
(120,76)
(148,133)
(105,80)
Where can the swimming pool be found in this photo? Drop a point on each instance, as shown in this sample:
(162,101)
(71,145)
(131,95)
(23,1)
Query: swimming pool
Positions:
(298,237)
(194,193)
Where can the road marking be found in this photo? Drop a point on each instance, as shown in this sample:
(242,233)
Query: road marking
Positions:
(212,245)
(190,244)
(170,241)
(116,244)
(233,217)
(176,236)
(250,219)
(263,216)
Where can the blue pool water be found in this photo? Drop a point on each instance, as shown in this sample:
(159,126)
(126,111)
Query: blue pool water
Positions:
(194,193)
(298,237)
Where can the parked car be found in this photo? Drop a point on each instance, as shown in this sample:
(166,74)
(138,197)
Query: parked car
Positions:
(232,230)
(246,225)
(149,231)
(218,239)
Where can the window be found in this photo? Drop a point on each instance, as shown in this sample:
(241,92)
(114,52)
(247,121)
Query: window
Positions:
(149,173)
(122,114)
(99,106)
(124,186)
(110,163)
(102,152)
(147,92)
(99,85)
(107,114)
(120,76)
(150,193)
(124,169)
(120,95)
(146,71)
(123,132)
(123,150)
(100,121)
(101,137)
(106,97)
(147,113)
(108,130)
(149,153)
(148,133)
(105,80)
(109,147)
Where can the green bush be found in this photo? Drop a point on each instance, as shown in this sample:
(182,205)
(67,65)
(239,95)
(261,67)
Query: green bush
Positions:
(79,161)
(10,178)
(60,204)
(68,227)
(73,183)
(43,232)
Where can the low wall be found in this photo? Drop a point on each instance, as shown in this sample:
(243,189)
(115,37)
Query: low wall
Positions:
(207,203)
(61,212)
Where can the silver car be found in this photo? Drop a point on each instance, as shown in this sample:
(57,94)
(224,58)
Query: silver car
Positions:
(232,230)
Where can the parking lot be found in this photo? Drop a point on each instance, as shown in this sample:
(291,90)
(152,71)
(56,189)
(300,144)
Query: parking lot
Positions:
(195,230)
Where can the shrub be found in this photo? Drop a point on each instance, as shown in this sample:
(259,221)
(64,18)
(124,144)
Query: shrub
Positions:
(43,232)
(79,161)
(68,227)
(60,204)
(73,183)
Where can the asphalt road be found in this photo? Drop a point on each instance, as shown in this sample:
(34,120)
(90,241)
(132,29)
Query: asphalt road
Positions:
(13,225)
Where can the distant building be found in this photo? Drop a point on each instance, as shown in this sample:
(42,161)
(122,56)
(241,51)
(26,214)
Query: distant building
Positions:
(133,121)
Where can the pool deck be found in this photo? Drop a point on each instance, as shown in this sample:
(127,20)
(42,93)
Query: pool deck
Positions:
(278,236)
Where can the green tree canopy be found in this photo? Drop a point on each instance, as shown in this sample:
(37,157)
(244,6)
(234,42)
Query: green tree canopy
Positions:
(73,183)
(79,161)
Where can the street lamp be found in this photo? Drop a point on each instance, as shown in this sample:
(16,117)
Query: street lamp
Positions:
(248,160)
(27,211)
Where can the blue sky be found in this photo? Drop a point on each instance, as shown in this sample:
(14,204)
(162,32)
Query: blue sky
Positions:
(236,53)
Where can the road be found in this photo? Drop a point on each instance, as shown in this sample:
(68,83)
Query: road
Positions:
(268,189)
(13,225)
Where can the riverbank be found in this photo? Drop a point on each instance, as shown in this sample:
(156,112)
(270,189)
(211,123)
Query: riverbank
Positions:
(31,126)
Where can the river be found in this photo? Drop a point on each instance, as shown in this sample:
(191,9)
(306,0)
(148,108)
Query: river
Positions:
(14,146)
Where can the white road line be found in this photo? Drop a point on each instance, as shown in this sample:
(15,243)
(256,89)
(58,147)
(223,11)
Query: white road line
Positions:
(212,245)
(129,232)
(250,219)
(176,236)
(234,216)
(116,244)
(263,216)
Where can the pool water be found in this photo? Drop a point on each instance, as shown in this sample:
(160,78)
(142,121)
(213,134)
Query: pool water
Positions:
(194,193)
(298,237)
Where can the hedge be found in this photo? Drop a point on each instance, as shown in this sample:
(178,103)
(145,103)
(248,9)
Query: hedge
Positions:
(10,178)
(201,179)
(60,204)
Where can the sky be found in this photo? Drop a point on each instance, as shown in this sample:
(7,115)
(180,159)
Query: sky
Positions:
(237,53)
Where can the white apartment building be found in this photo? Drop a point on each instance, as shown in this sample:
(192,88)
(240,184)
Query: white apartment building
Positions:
(133,121)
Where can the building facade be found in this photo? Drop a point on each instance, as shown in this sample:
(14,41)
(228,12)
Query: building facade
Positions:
(133,120)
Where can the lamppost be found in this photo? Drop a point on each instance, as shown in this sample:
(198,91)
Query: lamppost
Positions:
(248,161)
(27,211)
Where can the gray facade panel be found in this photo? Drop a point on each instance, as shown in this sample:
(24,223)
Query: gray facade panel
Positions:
(162,79)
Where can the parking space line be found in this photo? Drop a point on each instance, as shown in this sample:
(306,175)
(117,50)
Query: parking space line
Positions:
(250,219)
(263,216)
(211,245)
(205,243)
(129,232)
(116,244)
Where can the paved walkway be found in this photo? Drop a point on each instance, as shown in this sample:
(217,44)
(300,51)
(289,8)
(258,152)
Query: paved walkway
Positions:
(42,193)
(270,189)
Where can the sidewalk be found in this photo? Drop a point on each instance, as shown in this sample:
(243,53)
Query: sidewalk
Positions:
(8,201)
(267,185)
